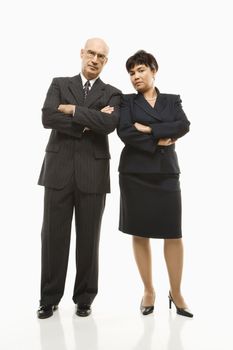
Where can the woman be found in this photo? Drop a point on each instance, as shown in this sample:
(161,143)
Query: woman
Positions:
(150,124)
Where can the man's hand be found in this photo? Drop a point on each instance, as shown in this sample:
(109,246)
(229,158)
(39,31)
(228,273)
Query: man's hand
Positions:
(67,109)
(143,128)
(107,109)
(166,142)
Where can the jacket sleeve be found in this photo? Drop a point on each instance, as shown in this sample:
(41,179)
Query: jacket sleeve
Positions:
(53,119)
(97,121)
(129,134)
(175,129)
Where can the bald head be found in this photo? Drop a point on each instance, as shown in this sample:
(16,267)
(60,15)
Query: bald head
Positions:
(98,43)
(94,56)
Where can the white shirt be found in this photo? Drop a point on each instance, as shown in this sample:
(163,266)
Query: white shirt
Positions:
(84,80)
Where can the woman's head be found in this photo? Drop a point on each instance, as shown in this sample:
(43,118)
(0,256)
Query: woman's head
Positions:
(142,67)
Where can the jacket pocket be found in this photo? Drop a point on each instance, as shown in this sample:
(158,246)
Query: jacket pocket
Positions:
(52,147)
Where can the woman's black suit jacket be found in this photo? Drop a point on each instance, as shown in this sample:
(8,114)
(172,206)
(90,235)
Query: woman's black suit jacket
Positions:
(167,119)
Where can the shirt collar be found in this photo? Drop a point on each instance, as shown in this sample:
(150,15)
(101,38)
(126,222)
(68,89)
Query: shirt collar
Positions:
(84,80)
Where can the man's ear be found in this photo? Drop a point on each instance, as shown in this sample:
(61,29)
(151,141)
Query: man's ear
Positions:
(81,53)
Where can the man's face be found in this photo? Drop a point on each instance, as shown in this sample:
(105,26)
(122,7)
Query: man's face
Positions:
(94,57)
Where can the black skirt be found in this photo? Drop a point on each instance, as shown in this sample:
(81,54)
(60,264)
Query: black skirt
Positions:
(150,205)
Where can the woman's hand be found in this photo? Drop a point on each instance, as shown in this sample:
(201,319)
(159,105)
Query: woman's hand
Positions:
(143,128)
(166,142)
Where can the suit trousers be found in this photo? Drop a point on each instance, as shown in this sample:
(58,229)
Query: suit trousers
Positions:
(55,236)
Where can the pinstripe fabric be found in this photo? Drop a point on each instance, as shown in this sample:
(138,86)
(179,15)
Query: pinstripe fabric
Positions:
(70,149)
(75,173)
(55,239)
(58,213)
(87,254)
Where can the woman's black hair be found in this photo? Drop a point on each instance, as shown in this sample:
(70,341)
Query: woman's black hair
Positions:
(142,57)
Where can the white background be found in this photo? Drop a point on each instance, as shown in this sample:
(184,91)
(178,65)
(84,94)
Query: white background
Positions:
(192,43)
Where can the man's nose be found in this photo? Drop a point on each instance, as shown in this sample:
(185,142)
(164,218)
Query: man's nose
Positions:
(95,59)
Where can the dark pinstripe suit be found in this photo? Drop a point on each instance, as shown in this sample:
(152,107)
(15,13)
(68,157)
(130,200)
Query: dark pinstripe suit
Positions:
(75,173)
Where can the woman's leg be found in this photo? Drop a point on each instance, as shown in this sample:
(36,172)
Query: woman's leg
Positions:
(142,254)
(173,253)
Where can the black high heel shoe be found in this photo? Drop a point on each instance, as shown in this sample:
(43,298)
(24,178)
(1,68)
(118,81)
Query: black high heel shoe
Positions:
(180,311)
(146,310)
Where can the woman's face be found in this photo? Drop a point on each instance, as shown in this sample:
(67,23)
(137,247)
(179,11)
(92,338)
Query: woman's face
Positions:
(142,77)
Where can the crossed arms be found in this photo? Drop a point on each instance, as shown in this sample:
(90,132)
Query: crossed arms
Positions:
(147,138)
(73,119)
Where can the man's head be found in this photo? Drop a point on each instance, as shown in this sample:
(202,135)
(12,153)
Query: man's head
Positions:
(94,56)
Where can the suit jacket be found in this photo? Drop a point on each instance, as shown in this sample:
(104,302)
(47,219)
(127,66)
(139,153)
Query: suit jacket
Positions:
(70,149)
(167,119)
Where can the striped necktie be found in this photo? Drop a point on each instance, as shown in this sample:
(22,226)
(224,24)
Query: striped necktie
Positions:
(86,88)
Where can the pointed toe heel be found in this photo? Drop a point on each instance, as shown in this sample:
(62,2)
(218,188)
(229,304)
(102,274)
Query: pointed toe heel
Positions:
(179,310)
(146,310)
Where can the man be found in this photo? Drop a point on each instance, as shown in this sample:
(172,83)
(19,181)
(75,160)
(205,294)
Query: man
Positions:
(81,111)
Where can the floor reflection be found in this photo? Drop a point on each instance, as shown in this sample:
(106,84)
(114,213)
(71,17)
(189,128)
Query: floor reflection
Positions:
(52,334)
(145,341)
(176,324)
(85,333)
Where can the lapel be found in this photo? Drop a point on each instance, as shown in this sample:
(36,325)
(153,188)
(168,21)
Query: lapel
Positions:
(155,111)
(95,93)
(76,89)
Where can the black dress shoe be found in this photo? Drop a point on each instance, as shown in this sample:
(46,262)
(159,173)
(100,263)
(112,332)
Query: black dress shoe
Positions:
(83,310)
(146,310)
(179,310)
(46,311)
